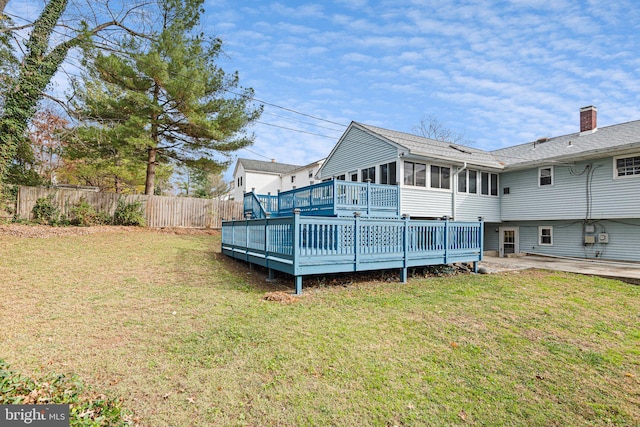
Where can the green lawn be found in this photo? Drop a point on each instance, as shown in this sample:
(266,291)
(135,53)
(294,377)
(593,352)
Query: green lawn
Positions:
(185,337)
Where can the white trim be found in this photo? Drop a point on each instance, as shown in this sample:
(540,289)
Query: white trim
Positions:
(545,227)
(516,239)
(615,167)
(540,176)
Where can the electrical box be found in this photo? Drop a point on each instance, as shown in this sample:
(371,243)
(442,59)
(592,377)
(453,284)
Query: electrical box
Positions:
(603,238)
(589,228)
(589,240)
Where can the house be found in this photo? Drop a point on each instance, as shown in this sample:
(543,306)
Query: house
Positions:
(575,195)
(270,177)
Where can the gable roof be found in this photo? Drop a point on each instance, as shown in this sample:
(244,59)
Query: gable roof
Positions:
(611,140)
(266,167)
(426,147)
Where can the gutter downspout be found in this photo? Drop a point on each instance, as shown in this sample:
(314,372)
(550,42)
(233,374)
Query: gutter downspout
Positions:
(454,190)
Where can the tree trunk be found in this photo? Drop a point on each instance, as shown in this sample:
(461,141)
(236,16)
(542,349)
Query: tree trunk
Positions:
(151,171)
(35,74)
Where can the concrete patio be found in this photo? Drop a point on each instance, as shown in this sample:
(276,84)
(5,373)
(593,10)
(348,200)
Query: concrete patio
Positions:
(626,271)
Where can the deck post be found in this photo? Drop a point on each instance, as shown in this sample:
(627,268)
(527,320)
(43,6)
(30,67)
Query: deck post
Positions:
(296,249)
(246,240)
(356,241)
(446,240)
(368,197)
(481,242)
(405,244)
(298,285)
(266,244)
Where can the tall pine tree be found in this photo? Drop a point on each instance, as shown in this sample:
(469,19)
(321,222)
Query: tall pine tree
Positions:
(172,98)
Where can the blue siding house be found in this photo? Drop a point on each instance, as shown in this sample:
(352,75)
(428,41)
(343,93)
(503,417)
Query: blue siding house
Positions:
(575,195)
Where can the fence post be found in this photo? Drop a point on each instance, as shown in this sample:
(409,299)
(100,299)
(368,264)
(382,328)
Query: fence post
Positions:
(296,250)
(405,244)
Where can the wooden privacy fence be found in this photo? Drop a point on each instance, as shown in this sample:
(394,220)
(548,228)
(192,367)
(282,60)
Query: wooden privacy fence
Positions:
(160,211)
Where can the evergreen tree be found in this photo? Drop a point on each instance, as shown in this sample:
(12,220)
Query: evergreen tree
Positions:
(171,97)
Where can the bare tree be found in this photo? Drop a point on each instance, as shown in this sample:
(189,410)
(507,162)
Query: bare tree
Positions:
(432,128)
(61,27)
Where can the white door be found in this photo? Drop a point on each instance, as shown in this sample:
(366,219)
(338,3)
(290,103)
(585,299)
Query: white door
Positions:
(509,241)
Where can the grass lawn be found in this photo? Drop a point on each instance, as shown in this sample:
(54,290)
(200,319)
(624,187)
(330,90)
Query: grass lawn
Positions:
(185,337)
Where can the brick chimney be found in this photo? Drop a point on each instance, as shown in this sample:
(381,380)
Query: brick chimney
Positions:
(588,119)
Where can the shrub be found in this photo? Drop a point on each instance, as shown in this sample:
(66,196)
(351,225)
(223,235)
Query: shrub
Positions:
(44,211)
(129,214)
(85,215)
(86,408)
(8,198)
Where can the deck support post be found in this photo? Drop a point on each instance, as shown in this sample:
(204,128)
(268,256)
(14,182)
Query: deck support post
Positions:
(475,267)
(270,275)
(296,249)
(356,241)
(405,244)
(298,285)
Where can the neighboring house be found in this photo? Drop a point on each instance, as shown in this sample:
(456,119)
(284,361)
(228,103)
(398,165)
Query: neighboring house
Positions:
(574,195)
(270,177)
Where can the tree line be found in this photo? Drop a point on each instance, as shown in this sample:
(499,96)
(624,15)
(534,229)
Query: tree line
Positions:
(148,106)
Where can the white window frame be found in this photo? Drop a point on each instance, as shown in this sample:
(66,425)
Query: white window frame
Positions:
(467,180)
(481,181)
(545,227)
(430,183)
(550,168)
(615,167)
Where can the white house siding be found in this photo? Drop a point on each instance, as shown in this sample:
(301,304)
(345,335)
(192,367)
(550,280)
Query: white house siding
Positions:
(422,202)
(302,178)
(358,150)
(239,188)
(470,206)
(568,239)
(567,197)
(262,183)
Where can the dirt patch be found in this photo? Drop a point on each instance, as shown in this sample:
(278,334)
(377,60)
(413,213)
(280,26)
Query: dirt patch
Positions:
(45,231)
(281,297)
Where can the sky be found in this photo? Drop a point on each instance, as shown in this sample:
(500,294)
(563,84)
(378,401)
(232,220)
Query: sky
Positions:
(502,72)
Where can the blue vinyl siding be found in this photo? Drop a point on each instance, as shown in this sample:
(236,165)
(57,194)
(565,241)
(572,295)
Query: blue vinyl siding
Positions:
(568,239)
(358,150)
(567,197)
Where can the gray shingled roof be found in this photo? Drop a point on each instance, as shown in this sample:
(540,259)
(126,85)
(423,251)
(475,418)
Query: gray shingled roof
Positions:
(421,146)
(575,146)
(266,167)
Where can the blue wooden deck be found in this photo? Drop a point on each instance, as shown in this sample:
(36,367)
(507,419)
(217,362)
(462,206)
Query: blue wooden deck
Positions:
(305,245)
(331,198)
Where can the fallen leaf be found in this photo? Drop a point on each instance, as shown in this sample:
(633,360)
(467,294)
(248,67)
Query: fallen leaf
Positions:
(462,415)
(166,396)
(454,345)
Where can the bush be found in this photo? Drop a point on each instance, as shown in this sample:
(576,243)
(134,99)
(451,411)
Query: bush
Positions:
(85,215)
(86,408)
(8,198)
(129,214)
(44,211)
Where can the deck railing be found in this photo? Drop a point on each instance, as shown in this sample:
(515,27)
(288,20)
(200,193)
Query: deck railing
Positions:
(342,198)
(303,245)
(259,205)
